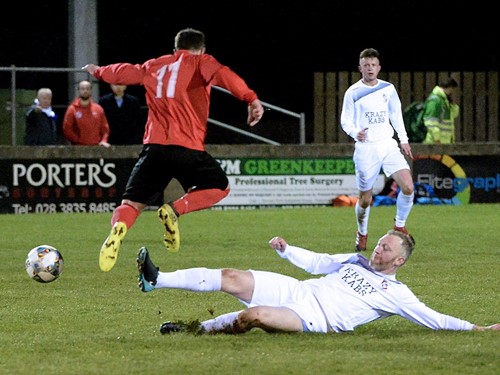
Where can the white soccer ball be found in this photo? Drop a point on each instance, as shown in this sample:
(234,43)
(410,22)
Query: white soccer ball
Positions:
(44,263)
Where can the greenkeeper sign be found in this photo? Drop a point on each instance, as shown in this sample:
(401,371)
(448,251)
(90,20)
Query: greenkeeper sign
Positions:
(265,182)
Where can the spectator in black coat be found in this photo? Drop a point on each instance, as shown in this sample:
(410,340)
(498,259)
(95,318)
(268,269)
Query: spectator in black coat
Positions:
(123,112)
(41,127)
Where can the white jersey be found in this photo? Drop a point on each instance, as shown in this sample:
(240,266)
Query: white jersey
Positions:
(352,294)
(375,108)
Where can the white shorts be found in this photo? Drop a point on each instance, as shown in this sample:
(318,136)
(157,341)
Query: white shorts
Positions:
(276,290)
(370,158)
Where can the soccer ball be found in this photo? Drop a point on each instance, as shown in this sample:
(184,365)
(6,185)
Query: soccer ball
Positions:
(44,263)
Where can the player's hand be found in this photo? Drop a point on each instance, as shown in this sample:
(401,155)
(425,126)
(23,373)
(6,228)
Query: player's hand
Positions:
(91,68)
(407,149)
(104,144)
(278,243)
(255,112)
(361,136)
(493,327)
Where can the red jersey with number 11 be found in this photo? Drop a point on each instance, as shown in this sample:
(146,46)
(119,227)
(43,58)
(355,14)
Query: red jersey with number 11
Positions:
(178,94)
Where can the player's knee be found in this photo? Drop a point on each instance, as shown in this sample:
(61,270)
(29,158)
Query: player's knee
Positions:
(365,200)
(231,275)
(238,283)
(253,317)
(407,189)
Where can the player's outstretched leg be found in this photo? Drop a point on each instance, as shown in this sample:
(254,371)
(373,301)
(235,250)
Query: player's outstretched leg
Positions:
(148,272)
(110,247)
(171,238)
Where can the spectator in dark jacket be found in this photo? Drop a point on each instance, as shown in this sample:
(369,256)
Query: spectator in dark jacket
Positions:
(123,112)
(41,127)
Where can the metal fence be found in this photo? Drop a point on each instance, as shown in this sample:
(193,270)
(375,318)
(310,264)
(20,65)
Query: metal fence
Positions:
(13,107)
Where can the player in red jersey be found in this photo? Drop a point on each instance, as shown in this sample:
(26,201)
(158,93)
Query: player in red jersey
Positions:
(178,97)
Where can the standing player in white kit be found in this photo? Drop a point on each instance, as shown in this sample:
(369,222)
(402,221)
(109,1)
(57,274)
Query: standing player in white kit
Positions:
(371,111)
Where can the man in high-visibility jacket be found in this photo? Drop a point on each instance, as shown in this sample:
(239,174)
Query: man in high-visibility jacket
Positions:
(440,113)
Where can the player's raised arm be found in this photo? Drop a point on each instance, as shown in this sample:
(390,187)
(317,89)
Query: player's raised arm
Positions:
(278,243)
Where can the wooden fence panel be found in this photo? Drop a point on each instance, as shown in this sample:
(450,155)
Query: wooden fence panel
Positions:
(404,89)
(478,98)
(394,78)
(467,108)
(345,80)
(458,99)
(332,113)
(419,89)
(480,102)
(319,106)
(493,104)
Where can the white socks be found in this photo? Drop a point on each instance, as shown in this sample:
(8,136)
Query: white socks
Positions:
(199,280)
(222,323)
(404,203)
(362,215)
(194,279)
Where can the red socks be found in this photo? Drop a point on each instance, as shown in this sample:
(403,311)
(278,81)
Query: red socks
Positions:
(199,199)
(195,200)
(126,214)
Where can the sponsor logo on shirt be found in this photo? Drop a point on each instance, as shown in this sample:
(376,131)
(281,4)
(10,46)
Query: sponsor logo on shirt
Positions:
(357,282)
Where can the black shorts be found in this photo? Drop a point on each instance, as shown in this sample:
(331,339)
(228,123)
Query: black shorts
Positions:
(159,164)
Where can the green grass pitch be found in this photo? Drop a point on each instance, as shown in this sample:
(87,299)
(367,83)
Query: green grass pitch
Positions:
(90,322)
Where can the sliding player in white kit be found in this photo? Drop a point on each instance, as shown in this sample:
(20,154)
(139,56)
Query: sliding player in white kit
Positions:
(371,111)
(354,291)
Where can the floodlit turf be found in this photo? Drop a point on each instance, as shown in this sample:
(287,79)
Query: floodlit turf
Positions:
(91,322)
